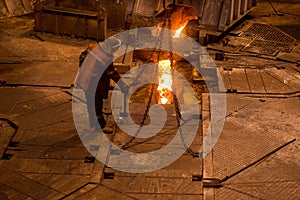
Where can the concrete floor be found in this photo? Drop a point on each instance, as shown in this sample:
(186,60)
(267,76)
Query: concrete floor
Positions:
(43,157)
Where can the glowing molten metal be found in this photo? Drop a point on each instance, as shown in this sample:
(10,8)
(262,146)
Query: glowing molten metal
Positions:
(178,31)
(164,81)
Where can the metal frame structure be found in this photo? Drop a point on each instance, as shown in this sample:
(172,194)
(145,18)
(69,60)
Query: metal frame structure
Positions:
(53,17)
(214,16)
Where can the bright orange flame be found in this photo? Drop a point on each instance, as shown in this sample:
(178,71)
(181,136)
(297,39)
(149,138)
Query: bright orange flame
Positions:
(164,81)
(178,31)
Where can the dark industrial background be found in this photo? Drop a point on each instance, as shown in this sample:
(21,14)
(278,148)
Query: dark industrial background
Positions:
(255,46)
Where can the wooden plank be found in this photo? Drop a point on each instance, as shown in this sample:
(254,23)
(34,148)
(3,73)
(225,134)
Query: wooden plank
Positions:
(154,185)
(239,80)
(273,85)
(255,82)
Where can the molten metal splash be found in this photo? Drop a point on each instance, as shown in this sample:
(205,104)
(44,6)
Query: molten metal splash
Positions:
(178,31)
(164,81)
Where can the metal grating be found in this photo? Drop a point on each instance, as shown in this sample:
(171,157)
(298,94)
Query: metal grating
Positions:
(292,30)
(42,103)
(267,39)
(241,143)
(246,137)
(268,47)
(279,190)
(267,32)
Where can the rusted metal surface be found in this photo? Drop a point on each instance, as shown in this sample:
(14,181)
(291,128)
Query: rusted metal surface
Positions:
(15,7)
(219,15)
(145,8)
(88,20)
(116,14)
(267,39)
(213,16)
(260,81)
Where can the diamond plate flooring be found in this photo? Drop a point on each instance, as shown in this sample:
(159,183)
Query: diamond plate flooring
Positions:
(42,156)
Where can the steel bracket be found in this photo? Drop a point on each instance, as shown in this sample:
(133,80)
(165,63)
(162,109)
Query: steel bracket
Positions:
(212,182)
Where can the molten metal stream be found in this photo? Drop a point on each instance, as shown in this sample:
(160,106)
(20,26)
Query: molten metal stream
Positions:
(164,82)
(178,31)
(165,76)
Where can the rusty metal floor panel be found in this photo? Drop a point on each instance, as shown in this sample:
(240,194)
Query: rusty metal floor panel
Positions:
(267,32)
(42,103)
(267,39)
(48,159)
(243,143)
(268,47)
(293,31)
(261,81)
(7,133)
